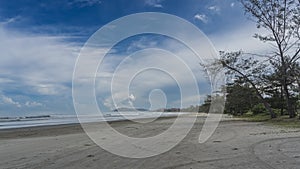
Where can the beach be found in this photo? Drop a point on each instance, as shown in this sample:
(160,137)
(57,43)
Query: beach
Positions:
(235,144)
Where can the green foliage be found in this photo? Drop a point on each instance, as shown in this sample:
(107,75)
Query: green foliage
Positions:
(282,121)
(259,109)
(256,118)
(206,105)
(281,18)
(285,121)
(240,99)
(249,113)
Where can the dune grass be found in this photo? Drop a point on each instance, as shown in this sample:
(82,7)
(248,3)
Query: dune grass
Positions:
(285,121)
(282,121)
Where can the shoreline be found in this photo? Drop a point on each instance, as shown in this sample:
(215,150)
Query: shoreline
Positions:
(52,130)
(75,128)
(4,125)
(67,146)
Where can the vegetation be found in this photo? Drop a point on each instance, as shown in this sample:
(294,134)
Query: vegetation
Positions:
(282,121)
(281,18)
(204,108)
(240,99)
(266,85)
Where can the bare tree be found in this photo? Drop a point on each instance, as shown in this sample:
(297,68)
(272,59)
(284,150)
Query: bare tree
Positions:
(281,19)
(245,70)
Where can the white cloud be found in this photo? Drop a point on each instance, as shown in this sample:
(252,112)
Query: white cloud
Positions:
(214,8)
(8,100)
(232,4)
(144,82)
(10,20)
(201,17)
(33,104)
(43,64)
(50,89)
(141,44)
(131,97)
(108,103)
(130,74)
(240,38)
(5,80)
(36,65)
(154,3)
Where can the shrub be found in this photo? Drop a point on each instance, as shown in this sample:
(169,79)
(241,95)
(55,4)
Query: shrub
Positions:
(277,112)
(259,109)
(249,113)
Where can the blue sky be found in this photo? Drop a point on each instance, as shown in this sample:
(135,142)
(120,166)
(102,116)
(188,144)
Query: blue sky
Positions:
(40,41)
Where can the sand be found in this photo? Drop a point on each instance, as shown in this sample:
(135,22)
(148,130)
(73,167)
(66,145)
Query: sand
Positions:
(235,144)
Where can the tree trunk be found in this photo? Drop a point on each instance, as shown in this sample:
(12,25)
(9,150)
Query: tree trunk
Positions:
(258,94)
(289,105)
(267,106)
(281,101)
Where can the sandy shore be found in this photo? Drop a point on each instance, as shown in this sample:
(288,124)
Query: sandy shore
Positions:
(235,144)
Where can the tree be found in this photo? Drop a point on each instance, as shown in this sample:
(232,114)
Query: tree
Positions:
(240,98)
(245,70)
(281,18)
(274,90)
(206,105)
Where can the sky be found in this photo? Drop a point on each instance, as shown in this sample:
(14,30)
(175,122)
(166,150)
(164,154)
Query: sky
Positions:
(41,40)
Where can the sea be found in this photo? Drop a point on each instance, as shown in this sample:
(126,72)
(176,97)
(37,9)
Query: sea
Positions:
(48,120)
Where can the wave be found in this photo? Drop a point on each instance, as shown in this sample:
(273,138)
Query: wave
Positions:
(24,118)
(44,120)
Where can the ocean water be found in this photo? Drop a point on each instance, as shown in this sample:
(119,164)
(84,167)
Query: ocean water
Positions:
(46,120)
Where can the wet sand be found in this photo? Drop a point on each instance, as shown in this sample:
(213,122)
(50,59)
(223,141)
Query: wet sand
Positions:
(235,144)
